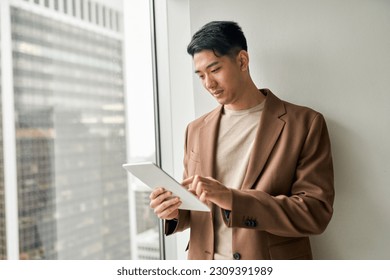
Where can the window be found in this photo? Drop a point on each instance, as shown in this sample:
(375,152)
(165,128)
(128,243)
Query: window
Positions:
(65,5)
(3,249)
(74,8)
(97,15)
(74,199)
(89,11)
(82,9)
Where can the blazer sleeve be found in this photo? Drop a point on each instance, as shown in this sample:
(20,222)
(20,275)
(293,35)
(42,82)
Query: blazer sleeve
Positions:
(180,224)
(308,208)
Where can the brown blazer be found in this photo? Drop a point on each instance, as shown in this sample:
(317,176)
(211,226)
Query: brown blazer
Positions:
(287,193)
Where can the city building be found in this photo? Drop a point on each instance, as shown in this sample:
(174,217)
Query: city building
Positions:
(68,108)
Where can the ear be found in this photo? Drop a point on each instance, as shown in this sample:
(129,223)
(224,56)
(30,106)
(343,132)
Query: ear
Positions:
(243,59)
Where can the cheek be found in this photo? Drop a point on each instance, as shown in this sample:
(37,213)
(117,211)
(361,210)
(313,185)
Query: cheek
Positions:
(228,78)
(227,83)
(221,80)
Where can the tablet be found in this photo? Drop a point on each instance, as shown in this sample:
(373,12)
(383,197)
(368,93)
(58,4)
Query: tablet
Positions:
(153,176)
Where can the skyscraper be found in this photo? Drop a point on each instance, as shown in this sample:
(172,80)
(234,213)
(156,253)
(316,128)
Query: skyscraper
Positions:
(70,133)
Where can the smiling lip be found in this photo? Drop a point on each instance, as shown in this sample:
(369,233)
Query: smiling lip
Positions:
(217,92)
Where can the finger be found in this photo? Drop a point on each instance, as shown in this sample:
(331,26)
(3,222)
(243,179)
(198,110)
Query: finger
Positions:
(160,199)
(195,182)
(200,188)
(170,212)
(187,181)
(192,191)
(203,196)
(156,192)
(168,202)
(167,207)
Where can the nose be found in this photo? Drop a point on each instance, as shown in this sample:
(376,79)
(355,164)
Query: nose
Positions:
(210,83)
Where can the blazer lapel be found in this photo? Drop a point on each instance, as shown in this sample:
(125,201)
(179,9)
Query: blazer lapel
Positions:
(266,137)
(208,136)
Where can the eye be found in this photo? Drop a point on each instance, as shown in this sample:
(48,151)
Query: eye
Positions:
(215,70)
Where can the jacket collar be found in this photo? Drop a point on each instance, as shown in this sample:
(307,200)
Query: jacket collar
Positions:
(270,127)
(267,135)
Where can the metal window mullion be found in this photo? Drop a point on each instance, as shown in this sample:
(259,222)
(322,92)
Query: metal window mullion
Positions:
(157,115)
(9,139)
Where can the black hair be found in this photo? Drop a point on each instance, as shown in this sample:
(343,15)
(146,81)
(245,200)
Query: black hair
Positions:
(221,37)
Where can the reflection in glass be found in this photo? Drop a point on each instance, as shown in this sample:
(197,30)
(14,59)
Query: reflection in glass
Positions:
(74,128)
(70,131)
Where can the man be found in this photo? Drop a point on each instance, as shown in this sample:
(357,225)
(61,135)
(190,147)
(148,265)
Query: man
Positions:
(263,165)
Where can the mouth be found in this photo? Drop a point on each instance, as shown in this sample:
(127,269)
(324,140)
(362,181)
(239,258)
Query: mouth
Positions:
(217,93)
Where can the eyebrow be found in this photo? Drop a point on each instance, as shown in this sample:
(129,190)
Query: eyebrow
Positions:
(208,66)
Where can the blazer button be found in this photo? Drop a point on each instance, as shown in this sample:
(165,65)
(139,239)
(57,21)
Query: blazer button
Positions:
(250,223)
(236,256)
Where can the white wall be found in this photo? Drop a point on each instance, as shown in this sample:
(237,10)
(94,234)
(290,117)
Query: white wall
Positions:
(332,56)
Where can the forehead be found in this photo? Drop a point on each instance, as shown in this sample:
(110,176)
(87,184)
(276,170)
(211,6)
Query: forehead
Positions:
(205,59)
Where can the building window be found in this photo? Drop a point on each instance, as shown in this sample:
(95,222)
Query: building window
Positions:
(71,139)
(89,11)
(97,15)
(116,17)
(110,20)
(104,16)
(65,6)
(82,9)
(56,7)
(74,8)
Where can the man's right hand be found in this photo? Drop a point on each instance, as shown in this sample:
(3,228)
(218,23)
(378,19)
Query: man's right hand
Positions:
(164,204)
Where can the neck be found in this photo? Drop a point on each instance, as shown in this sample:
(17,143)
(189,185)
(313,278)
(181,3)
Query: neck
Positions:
(250,97)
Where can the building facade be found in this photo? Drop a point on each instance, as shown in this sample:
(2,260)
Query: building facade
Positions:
(68,109)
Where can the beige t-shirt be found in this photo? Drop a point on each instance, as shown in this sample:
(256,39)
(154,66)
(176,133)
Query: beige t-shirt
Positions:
(235,140)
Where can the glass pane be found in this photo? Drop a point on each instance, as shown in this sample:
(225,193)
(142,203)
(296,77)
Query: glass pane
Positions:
(70,132)
(141,137)
(75,200)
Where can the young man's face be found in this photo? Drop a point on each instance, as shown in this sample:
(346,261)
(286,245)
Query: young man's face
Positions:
(221,76)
